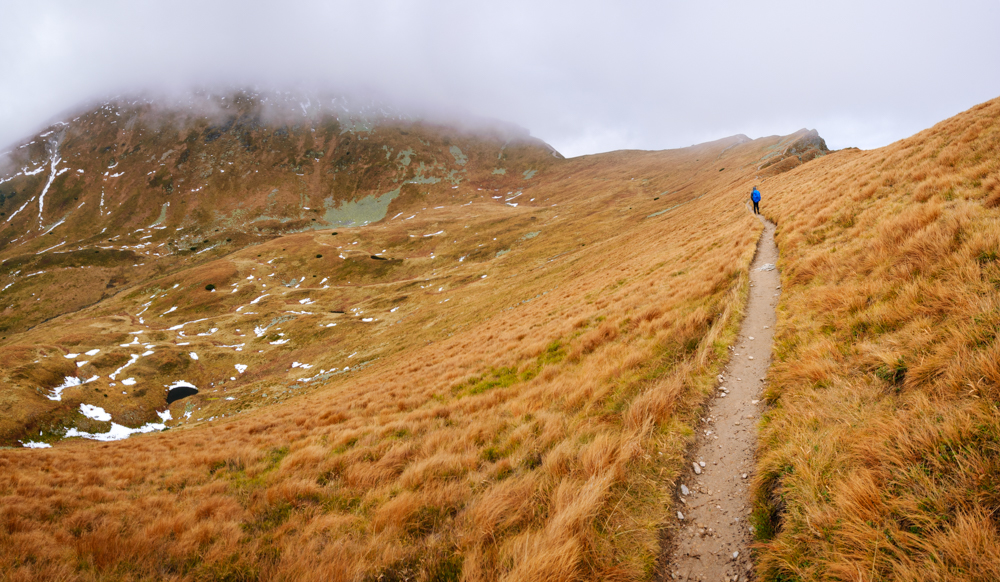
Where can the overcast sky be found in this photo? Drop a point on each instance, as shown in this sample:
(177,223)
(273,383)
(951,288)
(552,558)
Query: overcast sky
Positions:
(584,76)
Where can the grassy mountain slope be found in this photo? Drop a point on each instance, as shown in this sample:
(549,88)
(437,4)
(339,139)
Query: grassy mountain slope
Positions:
(880,459)
(135,189)
(497,380)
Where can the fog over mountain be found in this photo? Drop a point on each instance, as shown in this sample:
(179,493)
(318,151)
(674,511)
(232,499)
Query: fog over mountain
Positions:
(585,76)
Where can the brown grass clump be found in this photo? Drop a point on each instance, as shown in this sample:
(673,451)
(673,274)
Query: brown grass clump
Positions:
(881,456)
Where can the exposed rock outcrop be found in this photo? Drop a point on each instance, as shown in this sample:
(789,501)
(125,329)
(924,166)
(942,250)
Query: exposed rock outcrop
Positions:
(798,148)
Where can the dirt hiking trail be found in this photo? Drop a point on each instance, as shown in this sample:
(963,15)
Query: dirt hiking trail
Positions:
(712,534)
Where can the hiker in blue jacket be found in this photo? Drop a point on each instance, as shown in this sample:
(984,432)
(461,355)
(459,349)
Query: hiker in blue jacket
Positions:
(755,196)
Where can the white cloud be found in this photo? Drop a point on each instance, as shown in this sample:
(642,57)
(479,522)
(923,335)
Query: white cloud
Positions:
(585,76)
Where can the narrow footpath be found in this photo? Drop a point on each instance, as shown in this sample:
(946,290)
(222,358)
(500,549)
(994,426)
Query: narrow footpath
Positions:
(713,533)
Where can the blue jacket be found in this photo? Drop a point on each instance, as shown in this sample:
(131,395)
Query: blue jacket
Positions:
(755,196)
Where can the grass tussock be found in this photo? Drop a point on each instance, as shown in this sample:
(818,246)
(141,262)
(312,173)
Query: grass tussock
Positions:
(880,459)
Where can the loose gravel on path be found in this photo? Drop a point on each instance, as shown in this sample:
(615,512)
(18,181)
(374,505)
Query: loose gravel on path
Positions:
(712,533)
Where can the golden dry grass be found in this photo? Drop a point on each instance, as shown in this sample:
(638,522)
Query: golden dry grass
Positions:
(531,432)
(879,460)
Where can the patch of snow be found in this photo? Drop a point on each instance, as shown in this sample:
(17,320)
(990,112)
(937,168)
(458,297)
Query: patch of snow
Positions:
(129,381)
(241,368)
(71,356)
(171,310)
(181,384)
(176,327)
(279,342)
(92,352)
(131,361)
(34,445)
(68,382)
(194,356)
(11,217)
(116,433)
(52,177)
(52,247)
(94,412)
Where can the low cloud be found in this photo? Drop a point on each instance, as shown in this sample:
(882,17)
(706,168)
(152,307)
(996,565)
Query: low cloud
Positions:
(584,76)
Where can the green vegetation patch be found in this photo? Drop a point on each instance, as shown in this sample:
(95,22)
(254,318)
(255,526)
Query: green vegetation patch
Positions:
(508,376)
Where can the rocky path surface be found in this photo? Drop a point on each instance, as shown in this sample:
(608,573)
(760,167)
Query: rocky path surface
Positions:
(713,534)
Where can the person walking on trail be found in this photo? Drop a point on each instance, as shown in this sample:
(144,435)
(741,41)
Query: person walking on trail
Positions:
(755,196)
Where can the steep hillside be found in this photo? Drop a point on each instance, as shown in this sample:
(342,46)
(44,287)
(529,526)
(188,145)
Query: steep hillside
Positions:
(135,189)
(497,378)
(881,458)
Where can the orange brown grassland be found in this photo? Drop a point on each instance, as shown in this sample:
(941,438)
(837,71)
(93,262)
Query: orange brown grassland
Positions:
(531,424)
(522,416)
(879,459)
